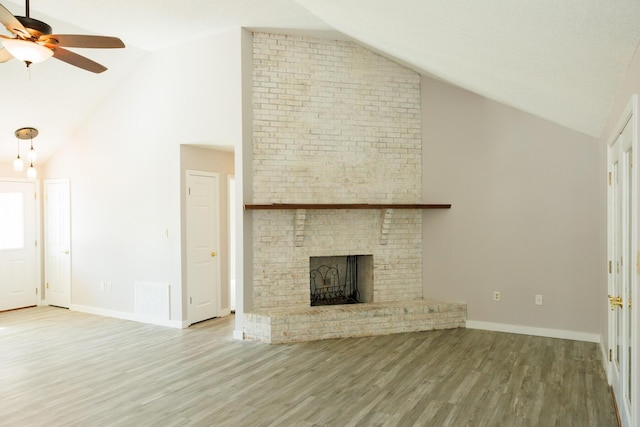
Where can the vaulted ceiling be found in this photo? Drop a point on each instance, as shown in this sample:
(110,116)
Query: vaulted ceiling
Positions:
(560,60)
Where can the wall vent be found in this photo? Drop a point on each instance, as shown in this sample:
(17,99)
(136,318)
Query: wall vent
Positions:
(152,300)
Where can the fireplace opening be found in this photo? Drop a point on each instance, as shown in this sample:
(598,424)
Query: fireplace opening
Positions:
(337,280)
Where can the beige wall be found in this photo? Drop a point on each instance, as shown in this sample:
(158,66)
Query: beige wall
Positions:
(525,214)
(221,162)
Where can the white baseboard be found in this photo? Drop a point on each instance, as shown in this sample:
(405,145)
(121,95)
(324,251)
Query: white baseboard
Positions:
(126,316)
(528,330)
(605,361)
(238,335)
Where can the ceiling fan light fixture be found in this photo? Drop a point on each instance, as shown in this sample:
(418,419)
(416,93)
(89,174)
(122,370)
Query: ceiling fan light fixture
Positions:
(27,51)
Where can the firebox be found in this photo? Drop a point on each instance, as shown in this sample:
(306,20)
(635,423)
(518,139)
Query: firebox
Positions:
(342,279)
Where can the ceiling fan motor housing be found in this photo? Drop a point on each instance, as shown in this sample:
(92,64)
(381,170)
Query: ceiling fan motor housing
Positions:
(36,28)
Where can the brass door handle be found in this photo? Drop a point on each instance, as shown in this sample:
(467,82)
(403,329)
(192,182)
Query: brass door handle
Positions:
(214,253)
(615,301)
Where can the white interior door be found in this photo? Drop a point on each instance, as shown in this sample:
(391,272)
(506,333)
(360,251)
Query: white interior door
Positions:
(203,242)
(18,245)
(57,242)
(623,269)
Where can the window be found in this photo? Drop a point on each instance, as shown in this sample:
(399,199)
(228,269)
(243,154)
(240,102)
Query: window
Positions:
(11,221)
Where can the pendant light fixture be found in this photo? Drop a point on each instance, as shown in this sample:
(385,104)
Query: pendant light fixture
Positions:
(31,154)
(27,133)
(18,164)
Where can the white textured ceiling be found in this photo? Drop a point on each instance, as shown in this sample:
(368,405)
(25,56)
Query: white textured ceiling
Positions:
(560,60)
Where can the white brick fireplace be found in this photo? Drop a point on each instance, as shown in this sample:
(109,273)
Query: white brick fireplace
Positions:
(335,123)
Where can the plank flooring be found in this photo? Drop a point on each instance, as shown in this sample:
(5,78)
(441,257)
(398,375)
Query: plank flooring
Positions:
(59,367)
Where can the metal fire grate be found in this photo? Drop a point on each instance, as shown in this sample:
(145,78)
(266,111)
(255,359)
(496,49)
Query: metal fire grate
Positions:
(326,288)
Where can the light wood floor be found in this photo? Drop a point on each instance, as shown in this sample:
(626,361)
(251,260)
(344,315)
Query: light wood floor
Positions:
(59,367)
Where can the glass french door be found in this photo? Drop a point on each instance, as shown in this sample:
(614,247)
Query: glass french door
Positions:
(622,272)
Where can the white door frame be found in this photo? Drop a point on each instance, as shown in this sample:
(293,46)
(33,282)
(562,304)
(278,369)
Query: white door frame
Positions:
(231,192)
(629,414)
(38,257)
(47,247)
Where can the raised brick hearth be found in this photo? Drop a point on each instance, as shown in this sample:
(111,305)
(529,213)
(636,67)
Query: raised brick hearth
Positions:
(336,123)
(277,326)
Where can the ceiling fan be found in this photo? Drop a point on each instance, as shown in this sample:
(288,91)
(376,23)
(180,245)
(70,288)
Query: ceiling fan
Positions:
(33,42)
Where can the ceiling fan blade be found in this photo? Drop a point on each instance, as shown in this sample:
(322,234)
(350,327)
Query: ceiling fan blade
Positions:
(12,23)
(79,40)
(5,55)
(76,60)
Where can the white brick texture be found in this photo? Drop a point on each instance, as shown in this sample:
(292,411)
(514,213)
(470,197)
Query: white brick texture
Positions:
(333,123)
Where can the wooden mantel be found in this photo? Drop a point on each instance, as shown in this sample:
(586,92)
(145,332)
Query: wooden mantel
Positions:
(301,209)
(344,206)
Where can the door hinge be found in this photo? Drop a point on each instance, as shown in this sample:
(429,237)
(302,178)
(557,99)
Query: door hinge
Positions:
(36,291)
(47,285)
(189,190)
(609,178)
(190,300)
(35,242)
(609,267)
(610,355)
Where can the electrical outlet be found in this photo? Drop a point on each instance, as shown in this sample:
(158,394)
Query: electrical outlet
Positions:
(496,296)
(102,286)
(108,286)
(538,299)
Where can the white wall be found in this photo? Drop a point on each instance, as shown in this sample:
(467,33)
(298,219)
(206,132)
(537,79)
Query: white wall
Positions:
(124,165)
(6,171)
(525,214)
(244,188)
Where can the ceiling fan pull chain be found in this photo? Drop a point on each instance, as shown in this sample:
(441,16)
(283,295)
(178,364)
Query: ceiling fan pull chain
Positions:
(27,8)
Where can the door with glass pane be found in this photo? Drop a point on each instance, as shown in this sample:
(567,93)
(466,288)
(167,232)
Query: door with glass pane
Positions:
(18,245)
(623,250)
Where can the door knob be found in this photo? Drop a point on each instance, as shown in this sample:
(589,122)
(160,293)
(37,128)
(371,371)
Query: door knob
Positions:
(615,302)
(214,253)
